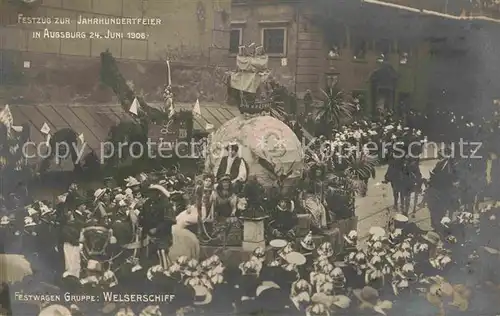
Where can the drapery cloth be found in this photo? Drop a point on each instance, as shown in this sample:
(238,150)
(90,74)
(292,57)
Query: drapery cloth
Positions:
(72,260)
(190,215)
(252,63)
(184,243)
(248,81)
(315,207)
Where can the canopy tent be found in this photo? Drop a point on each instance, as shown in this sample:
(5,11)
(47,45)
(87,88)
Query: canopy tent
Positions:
(265,143)
(248,81)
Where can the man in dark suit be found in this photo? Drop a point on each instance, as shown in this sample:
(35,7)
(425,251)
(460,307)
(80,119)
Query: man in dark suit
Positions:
(233,165)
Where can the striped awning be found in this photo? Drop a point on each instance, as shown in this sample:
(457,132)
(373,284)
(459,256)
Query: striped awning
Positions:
(95,121)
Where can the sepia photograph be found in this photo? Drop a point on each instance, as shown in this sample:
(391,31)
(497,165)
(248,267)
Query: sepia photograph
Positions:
(249,157)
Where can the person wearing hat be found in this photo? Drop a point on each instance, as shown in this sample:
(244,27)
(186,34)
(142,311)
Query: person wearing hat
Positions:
(6,233)
(408,228)
(325,250)
(69,246)
(55,310)
(91,278)
(307,249)
(313,196)
(307,242)
(223,209)
(350,242)
(370,300)
(300,302)
(283,220)
(73,197)
(308,101)
(355,269)
(222,295)
(233,165)
(174,241)
(246,286)
(224,198)
(133,183)
(101,204)
(442,192)
(30,237)
(108,182)
(47,233)
(424,258)
(202,298)
(272,299)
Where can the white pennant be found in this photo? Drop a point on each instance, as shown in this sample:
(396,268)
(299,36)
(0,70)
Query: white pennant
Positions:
(209,127)
(81,138)
(134,108)
(45,129)
(17,128)
(196,108)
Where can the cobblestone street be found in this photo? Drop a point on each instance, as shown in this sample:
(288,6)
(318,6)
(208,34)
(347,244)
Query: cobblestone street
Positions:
(374,209)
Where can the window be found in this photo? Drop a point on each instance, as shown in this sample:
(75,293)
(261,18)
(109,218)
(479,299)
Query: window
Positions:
(182,133)
(274,40)
(337,36)
(235,40)
(383,46)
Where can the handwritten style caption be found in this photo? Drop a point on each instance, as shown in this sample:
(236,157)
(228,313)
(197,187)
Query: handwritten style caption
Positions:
(84,21)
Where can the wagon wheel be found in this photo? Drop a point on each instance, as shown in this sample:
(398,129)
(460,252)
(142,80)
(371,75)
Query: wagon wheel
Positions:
(95,240)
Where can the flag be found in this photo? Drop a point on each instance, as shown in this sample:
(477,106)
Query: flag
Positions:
(171,110)
(196,108)
(169,83)
(45,129)
(81,138)
(18,129)
(134,108)
(209,127)
(6,117)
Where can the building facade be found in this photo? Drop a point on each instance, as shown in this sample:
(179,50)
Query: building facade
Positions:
(382,69)
(193,35)
(397,54)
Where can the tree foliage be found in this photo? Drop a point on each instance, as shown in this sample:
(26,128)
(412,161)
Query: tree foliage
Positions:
(112,77)
(336,108)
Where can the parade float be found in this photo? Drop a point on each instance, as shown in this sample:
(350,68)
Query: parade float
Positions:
(272,151)
(269,147)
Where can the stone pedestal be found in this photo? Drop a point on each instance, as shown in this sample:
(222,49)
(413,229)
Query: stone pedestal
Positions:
(344,226)
(332,236)
(303,225)
(253,233)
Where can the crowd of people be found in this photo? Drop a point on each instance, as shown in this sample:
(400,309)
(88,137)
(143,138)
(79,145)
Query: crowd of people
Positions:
(397,269)
(146,233)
